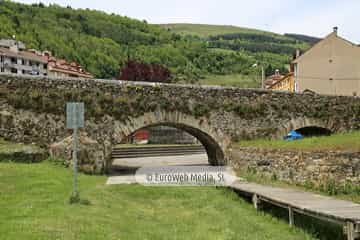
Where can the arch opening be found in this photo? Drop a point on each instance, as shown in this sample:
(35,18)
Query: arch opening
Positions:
(308,127)
(192,135)
(314,131)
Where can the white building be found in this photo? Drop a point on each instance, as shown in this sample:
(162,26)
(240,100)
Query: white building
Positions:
(14,58)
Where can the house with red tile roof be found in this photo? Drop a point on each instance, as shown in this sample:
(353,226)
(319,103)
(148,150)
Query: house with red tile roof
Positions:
(271,80)
(62,68)
(16,59)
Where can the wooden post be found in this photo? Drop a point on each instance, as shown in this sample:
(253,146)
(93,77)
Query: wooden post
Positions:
(350,231)
(255,201)
(291,216)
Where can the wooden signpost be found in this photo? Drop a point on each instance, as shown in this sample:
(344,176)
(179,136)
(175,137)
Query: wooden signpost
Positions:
(75,120)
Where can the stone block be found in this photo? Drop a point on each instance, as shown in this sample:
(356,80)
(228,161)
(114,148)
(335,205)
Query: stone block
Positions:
(91,157)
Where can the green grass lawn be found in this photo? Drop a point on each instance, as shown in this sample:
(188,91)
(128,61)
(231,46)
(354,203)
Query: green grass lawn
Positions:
(34,205)
(342,141)
(232,80)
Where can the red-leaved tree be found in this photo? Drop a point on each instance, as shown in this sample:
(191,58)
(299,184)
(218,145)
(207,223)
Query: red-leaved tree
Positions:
(138,71)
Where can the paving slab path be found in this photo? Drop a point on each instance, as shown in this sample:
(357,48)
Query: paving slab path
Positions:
(124,169)
(179,160)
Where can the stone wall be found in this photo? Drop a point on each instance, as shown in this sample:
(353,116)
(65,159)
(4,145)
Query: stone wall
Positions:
(299,166)
(23,154)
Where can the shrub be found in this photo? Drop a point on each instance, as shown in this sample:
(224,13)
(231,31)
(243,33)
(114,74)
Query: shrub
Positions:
(138,71)
(201,110)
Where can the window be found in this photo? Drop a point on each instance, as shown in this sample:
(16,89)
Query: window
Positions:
(1,58)
(45,66)
(23,71)
(23,61)
(2,69)
(14,70)
(14,60)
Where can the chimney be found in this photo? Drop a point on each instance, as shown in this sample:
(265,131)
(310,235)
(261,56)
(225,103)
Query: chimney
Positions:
(336,30)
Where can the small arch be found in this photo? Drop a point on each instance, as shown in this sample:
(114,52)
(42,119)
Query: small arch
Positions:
(307,126)
(313,131)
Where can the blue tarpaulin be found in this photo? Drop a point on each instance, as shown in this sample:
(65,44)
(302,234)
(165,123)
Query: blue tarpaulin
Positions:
(293,135)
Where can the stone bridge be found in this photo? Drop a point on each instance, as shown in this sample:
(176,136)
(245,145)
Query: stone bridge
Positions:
(33,111)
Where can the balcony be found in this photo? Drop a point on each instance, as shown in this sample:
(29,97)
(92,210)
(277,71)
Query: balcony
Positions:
(20,67)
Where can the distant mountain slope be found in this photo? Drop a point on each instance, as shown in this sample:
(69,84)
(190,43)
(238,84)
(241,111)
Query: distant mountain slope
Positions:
(274,50)
(205,30)
(308,39)
(103,43)
(238,38)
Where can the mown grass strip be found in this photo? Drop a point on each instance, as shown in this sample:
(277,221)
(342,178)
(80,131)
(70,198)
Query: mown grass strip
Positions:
(342,141)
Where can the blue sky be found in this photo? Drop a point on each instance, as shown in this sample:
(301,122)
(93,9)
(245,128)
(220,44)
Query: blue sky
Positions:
(312,17)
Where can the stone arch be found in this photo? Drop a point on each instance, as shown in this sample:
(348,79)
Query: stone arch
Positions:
(214,140)
(299,123)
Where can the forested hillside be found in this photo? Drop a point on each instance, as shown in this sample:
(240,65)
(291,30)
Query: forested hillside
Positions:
(102,42)
(273,50)
(308,39)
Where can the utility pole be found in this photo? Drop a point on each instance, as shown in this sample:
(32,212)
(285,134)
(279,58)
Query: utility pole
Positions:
(262,84)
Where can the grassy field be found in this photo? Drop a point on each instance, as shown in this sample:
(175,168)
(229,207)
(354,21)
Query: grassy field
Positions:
(34,205)
(233,80)
(342,141)
(204,30)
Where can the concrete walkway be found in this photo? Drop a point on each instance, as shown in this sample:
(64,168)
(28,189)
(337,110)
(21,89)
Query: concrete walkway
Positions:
(124,169)
(182,160)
